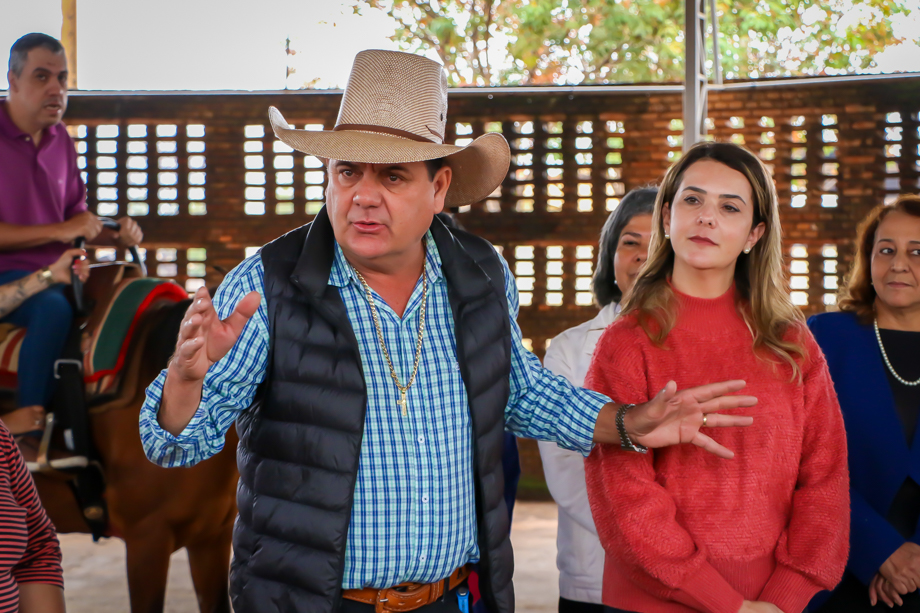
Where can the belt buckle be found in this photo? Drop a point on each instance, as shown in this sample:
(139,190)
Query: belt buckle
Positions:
(380,605)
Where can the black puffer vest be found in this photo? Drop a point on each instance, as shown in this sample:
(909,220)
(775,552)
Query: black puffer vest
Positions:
(300,441)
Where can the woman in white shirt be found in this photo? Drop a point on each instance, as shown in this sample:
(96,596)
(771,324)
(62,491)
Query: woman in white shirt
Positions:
(623,249)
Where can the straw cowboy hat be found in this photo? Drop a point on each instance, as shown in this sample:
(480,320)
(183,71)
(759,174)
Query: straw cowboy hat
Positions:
(394,110)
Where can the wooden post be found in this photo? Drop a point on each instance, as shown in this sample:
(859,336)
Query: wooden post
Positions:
(69,39)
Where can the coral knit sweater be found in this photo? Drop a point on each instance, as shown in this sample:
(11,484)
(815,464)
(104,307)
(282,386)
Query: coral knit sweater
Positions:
(684,530)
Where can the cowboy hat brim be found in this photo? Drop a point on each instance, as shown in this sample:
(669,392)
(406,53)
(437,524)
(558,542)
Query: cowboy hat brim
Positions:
(477,168)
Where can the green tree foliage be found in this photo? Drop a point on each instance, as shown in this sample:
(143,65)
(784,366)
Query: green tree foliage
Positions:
(483,42)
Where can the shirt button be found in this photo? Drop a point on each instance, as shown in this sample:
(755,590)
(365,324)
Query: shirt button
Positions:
(423,557)
(421,440)
(424,498)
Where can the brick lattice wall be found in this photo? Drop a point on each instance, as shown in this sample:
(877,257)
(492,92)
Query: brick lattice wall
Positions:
(206,178)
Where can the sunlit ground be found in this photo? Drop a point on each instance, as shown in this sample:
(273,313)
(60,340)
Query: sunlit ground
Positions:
(94,573)
(95,580)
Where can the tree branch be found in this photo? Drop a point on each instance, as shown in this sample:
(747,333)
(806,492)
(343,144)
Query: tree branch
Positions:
(489,7)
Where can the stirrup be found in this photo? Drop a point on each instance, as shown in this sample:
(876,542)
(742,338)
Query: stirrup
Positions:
(43,465)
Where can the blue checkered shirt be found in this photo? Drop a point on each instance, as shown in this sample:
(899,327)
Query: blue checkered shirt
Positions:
(414,514)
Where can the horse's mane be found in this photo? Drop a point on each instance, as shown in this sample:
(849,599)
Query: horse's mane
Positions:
(162,344)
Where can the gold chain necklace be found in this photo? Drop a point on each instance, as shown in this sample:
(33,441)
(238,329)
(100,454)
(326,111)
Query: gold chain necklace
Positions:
(403,403)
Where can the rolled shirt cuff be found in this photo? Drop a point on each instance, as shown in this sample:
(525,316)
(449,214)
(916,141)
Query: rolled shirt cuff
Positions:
(576,432)
(160,446)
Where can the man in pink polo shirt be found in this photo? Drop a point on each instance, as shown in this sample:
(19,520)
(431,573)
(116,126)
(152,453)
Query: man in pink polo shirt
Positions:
(42,210)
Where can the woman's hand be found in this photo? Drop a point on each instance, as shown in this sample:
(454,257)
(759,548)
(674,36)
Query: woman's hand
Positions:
(881,589)
(759,606)
(60,270)
(902,570)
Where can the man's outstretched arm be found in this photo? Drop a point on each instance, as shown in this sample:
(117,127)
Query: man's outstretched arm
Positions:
(13,236)
(203,340)
(188,411)
(548,407)
(674,417)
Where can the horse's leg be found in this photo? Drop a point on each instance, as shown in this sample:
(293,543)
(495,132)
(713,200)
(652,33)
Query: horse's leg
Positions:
(209,562)
(148,568)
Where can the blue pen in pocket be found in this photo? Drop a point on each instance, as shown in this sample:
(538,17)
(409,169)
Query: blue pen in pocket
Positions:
(463,599)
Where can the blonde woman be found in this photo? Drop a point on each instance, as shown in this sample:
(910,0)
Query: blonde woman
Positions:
(682,530)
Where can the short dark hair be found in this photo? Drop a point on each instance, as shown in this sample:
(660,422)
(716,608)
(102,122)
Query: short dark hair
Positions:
(19,52)
(637,202)
(433,167)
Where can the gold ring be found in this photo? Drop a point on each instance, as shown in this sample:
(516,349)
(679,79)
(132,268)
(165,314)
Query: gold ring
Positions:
(704,419)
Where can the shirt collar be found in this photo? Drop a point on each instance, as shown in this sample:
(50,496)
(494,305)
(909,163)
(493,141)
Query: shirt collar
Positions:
(9,129)
(605,317)
(342,272)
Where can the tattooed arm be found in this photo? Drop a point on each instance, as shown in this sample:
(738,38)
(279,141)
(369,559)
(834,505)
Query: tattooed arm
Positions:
(14,294)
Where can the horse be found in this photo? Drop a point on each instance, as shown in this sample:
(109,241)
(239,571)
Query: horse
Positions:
(155,510)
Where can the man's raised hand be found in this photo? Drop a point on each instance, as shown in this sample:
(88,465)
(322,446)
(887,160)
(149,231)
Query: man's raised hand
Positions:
(204,338)
(673,417)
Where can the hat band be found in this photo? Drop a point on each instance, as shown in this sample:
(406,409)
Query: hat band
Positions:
(361,127)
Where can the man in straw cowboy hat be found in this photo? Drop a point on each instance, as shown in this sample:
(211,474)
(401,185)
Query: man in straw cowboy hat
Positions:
(371,360)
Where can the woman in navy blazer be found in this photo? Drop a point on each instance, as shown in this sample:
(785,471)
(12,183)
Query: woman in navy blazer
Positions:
(873,353)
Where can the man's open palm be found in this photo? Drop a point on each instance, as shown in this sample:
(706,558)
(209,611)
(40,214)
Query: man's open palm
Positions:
(204,338)
(674,417)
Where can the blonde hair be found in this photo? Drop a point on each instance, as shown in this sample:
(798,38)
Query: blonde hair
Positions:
(761,296)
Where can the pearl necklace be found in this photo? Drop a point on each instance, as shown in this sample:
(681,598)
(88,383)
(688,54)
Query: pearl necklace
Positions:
(888,363)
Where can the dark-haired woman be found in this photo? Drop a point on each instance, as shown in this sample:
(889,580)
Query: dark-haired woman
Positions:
(873,350)
(623,249)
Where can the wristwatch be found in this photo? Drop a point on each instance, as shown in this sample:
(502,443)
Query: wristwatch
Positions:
(45,275)
(625,441)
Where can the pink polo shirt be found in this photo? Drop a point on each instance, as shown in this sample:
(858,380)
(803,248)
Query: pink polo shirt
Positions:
(38,185)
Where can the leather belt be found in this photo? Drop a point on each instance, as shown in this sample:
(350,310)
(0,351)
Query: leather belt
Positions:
(407,596)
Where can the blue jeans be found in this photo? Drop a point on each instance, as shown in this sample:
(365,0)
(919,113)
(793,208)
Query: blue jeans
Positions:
(46,316)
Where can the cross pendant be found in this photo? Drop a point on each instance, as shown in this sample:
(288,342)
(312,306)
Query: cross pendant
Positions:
(403,403)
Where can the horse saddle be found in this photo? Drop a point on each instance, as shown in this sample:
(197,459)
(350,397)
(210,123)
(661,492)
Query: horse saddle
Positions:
(119,297)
